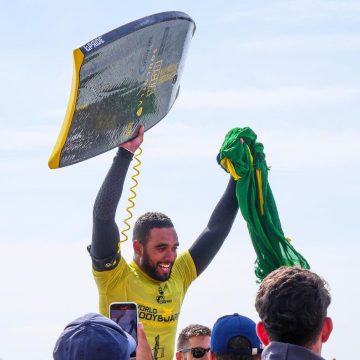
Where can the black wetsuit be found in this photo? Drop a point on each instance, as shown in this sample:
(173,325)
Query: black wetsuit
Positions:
(105,237)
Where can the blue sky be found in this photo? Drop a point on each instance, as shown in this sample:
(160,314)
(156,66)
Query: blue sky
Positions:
(287,69)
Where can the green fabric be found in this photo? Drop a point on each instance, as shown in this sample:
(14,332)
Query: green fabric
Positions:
(271,246)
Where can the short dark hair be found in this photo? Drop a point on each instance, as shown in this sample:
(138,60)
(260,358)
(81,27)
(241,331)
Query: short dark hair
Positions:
(191,331)
(292,303)
(148,221)
(236,343)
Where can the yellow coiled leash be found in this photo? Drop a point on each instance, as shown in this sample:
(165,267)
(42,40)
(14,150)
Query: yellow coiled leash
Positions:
(133,195)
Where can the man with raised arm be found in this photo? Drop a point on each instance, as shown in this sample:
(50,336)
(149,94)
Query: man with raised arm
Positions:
(157,278)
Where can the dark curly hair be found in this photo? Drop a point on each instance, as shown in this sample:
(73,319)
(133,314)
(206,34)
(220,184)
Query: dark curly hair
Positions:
(292,303)
(148,221)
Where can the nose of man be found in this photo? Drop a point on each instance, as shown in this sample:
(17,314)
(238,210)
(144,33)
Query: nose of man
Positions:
(170,256)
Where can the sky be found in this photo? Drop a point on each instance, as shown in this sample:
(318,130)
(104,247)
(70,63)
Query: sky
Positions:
(287,69)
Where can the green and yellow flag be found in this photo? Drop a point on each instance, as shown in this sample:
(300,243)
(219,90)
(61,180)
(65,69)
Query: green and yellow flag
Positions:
(244,158)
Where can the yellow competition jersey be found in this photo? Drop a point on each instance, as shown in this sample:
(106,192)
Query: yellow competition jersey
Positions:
(159,303)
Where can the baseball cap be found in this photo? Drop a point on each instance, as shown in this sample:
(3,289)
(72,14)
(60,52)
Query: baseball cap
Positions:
(230,326)
(93,337)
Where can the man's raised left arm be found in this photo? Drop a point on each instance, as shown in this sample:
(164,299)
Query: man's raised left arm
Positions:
(211,239)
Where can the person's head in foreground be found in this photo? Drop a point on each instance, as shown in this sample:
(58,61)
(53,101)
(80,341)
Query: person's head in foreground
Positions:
(292,305)
(234,338)
(194,343)
(93,337)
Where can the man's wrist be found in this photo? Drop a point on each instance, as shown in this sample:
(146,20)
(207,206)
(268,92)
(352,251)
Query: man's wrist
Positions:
(131,150)
(125,153)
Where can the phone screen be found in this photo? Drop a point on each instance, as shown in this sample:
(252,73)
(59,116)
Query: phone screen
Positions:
(126,315)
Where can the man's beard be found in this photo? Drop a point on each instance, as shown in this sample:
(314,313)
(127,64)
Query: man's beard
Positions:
(150,269)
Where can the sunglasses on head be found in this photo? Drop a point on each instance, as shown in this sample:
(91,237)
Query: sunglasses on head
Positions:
(197,352)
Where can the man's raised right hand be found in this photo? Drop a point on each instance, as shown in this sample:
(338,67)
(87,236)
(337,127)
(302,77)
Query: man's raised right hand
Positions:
(134,143)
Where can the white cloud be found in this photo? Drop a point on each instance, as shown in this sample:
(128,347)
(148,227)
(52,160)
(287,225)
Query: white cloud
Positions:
(250,98)
(18,139)
(287,146)
(303,43)
(256,98)
(41,294)
(286,12)
(308,150)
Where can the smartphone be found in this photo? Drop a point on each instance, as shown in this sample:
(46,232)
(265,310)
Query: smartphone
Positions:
(126,315)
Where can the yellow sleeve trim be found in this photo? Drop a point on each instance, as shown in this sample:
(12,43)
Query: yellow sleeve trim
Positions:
(54,161)
(193,267)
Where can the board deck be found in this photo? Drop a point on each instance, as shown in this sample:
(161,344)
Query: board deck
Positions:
(125,78)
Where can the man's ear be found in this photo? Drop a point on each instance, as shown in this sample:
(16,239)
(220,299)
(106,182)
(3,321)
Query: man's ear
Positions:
(138,248)
(178,355)
(326,329)
(261,333)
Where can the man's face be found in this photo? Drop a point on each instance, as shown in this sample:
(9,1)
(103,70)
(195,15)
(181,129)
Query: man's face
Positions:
(159,253)
(197,342)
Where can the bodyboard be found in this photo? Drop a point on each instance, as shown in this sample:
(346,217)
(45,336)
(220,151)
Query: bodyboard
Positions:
(125,78)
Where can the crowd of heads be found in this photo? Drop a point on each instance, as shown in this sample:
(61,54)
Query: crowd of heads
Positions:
(291,303)
(233,337)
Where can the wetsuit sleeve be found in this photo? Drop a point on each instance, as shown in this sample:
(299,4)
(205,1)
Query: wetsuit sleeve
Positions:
(104,249)
(210,240)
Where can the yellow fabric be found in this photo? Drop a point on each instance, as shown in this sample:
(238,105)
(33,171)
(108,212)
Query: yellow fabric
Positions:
(259,182)
(250,155)
(159,303)
(261,195)
(228,165)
